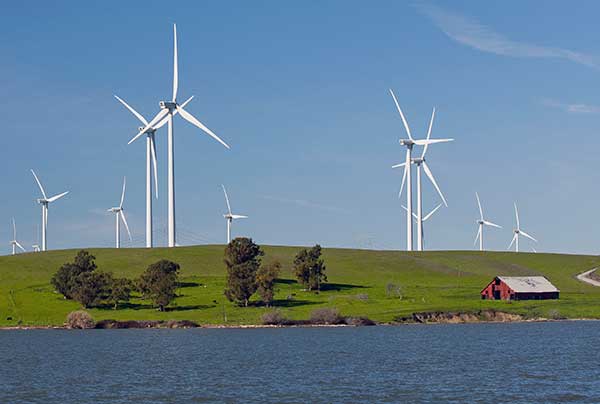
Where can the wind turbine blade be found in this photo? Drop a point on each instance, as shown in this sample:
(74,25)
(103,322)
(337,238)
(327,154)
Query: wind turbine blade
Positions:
(478,235)
(403,180)
(175,67)
(19,245)
(517,216)
(14,229)
(150,124)
(166,119)
(430,175)
(399,165)
(190,118)
(239,217)
(39,184)
(122,214)
(401,115)
(415,217)
(154,164)
(226,199)
(133,111)
(428,132)
(426,142)
(479,204)
(512,242)
(491,224)
(432,212)
(123,193)
(527,235)
(57,197)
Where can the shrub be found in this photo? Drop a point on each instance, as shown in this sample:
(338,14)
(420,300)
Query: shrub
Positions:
(80,319)
(363,297)
(360,321)
(64,279)
(242,258)
(393,290)
(119,290)
(554,314)
(327,316)
(309,268)
(159,282)
(90,288)
(265,281)
(274,317)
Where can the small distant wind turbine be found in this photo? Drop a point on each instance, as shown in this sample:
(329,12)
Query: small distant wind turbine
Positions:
(14,241)
(45,201)
(423,220)
(120,216)
(230,217)
(409,143)
(482,222)
(518,232)
(168,109)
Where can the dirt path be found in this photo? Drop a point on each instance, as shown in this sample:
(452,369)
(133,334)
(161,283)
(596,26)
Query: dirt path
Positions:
(583,277)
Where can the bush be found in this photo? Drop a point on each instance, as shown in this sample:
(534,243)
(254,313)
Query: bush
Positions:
(327,316)
(393,290)
(360,321)
(80,319)
(363,297)
(90,288)
(265,281)
(274,317)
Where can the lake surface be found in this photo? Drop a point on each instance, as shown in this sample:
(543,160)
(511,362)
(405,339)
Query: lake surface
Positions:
(518,363)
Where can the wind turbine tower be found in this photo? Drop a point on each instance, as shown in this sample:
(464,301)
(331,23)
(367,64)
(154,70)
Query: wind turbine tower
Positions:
(230,217)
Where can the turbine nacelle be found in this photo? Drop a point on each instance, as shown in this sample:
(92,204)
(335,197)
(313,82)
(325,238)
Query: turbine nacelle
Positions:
(407,142)
(149,131)
(418,160)
(170,105)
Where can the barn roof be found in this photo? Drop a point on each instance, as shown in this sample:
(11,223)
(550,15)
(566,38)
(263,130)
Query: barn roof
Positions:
(528,284)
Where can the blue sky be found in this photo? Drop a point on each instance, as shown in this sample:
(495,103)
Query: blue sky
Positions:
(300,92)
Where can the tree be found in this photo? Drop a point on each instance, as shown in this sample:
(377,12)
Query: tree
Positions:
(64,279)
(159,283)
(265,281)
(309,268)
(242,258)
(90,288)
(119,291)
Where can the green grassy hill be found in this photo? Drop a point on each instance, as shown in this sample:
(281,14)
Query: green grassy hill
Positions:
(430,281)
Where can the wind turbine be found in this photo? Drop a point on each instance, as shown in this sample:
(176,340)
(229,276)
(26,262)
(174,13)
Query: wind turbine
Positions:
(230,217)
(423,220)
(169,110)
(14,241)
(518,232)
(150,162)
(407,177)
(45,201)
(120,216)
(482,222)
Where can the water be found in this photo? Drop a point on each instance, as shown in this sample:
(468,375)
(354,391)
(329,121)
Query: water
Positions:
(519,363)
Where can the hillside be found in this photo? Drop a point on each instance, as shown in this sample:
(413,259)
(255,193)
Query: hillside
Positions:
(358,279)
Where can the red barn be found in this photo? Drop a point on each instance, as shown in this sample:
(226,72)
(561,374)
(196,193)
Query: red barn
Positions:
(519,288)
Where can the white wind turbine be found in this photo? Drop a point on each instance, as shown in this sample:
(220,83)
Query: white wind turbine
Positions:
(407,176)
(45,201)
(423,220)
(230,217)
(14,243)
(518,232)
(120,216)
(150,163)
(482,222)
(168,110)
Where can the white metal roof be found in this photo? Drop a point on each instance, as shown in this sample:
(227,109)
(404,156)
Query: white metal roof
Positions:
(527,284)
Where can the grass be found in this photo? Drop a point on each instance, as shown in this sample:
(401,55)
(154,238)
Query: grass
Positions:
(429,281)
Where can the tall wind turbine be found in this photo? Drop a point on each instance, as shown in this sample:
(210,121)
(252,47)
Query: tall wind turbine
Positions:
(230,217)
(407,177)
(482,222)
(120,216)
(150,162)
(169,110)
(518,232)
(423,220)
(14,241)
(45,201)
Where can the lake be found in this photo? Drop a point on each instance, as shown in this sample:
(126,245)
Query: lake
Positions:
(518,363)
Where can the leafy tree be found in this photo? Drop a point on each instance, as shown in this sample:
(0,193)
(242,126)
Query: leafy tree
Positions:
(159,283)
(119,291)
(265,280)
(309,268)
(64,279)
(242,258)
(90,288)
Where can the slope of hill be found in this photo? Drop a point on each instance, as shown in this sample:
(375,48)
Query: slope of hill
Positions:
(359,284)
